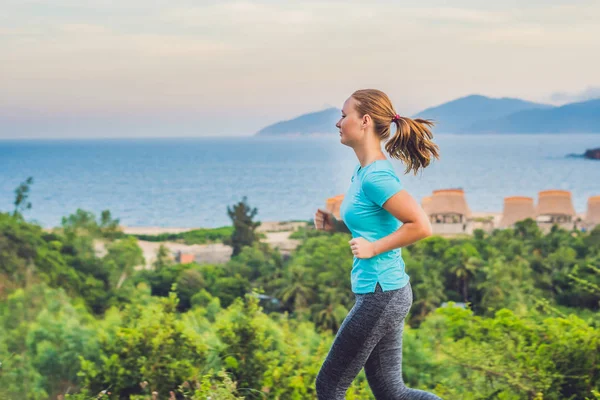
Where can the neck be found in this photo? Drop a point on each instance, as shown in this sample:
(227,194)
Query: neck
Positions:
(369,152)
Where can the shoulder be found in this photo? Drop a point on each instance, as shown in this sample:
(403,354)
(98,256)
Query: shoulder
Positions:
(381,183)
(380,173)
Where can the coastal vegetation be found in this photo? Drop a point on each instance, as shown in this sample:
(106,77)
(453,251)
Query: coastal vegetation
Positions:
(511,314)
(194,236)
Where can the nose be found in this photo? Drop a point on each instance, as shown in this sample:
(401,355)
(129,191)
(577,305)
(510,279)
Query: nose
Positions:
(337,125)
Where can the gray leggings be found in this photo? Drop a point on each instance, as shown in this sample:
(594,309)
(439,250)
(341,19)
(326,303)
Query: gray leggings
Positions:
(370,337)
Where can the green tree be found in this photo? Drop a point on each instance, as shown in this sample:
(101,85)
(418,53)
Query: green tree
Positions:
(19,243)
(244,233)
(507,284)
(43,334)
(230,288)
(219,387)
(297,289)
(22,197)
(163,258)
(161,281)
(249,348)
(511,357)
(148,343)
(84,224)
(428,294)
(329,313)
(109,226)
(464,260)
(528,229)
(122,257)
(189,283)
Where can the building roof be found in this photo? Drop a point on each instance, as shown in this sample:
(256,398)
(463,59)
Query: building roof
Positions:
(593,210)
(517,208)
(555,202)
(448,201)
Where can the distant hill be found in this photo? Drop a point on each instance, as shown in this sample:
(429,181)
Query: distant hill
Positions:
(471,114)
(312,123)
(583,117)
(454,116)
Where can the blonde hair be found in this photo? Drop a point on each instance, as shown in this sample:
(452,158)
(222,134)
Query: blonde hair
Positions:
(412,143)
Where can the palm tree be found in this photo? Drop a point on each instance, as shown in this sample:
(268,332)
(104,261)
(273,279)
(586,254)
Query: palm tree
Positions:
(429,294)
(329,312)
(297,289)
(464,261)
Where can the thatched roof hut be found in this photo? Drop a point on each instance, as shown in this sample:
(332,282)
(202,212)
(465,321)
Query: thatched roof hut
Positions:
(517,208)
(446,205)
(592,216)
(555,205)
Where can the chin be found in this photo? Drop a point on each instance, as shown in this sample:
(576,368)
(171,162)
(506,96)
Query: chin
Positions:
(343,140)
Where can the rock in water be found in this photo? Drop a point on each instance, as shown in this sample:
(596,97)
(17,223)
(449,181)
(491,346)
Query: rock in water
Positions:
(592,154)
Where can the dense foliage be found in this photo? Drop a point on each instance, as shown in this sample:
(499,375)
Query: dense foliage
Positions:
(507,315)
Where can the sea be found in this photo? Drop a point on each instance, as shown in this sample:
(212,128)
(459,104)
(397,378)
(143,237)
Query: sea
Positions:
(191,182)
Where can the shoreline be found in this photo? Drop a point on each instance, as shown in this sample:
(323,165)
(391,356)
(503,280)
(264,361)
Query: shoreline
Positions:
(288,226)
(266,226)
(271,226)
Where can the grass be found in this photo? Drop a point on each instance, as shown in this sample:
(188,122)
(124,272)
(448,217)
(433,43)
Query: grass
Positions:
(196,236)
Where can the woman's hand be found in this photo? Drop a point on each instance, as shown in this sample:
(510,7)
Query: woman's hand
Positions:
(324,220)
(362,248)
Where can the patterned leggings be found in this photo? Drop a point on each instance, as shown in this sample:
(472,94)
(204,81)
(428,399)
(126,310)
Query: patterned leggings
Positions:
(370,337)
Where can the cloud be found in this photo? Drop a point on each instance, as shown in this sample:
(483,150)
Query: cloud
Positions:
(295,13)
(273,58)
(456,15)
(84,29)
(592,92)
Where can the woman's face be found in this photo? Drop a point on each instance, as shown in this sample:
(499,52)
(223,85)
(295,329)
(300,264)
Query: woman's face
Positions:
(350,124)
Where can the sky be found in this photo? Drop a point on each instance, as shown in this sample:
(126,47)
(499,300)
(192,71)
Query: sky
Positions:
(129,68)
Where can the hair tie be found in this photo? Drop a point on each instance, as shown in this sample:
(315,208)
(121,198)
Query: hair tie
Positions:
(396,118)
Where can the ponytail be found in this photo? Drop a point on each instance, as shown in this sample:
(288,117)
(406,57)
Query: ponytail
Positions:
(413,143)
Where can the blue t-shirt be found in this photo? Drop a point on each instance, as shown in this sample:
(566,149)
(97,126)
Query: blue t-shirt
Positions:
(364,216)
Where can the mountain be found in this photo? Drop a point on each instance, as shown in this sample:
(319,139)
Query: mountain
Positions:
(312,123)
(471,114)
(454,116)
(583,117)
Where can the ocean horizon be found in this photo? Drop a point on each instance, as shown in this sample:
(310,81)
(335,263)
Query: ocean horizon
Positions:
(190,181)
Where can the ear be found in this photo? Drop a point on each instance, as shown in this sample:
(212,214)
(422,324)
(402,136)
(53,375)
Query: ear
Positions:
(366,120)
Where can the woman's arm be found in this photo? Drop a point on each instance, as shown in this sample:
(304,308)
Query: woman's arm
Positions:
(415,226)
(326,221)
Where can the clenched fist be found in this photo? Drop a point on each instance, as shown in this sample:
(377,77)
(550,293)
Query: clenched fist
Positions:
(324,220)
(362,248)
